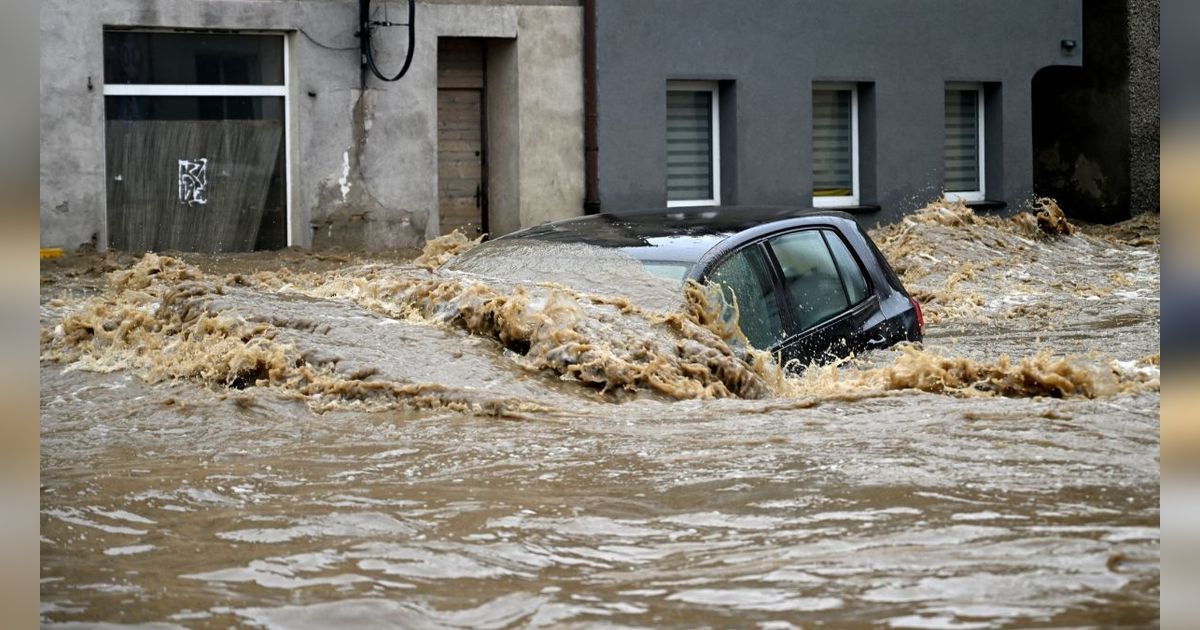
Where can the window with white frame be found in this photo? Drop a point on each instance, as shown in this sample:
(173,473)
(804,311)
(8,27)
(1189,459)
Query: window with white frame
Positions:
(693,144)
(964,150)
(835,144)
(196,140)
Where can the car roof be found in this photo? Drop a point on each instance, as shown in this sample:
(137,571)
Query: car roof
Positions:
(671,234)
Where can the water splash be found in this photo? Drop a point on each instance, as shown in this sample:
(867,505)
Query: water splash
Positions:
(165,319)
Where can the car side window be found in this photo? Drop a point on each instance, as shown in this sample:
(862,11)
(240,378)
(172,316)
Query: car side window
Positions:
(746,275)
(810,277)
(852,274)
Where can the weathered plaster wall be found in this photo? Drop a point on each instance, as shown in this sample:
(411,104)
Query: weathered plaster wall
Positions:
(394,196)
(71,126)
(550,58)
(364,163)
(504,156)
(768,53)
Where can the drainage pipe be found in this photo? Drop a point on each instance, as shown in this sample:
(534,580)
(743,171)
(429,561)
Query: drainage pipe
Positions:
(591,151)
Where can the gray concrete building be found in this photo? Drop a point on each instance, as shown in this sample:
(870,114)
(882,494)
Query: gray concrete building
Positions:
(877,106)
(225,125)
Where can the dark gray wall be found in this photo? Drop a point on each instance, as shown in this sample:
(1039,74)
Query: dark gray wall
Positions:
(1096,127)
(768,53)
(1081,121)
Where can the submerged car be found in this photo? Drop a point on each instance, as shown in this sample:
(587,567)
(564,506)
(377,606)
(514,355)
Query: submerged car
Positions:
(810,286)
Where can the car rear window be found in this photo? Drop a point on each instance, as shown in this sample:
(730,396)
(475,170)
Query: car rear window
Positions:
(852,275)
(882,262)
(810,276)
(747,276)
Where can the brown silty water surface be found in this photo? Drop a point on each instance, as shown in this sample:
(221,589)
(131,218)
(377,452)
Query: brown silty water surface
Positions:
(303,441)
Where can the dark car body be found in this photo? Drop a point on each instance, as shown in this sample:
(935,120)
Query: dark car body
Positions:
(810,285)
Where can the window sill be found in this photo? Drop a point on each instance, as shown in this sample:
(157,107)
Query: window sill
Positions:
(853,208)
(699,203)
(987,204)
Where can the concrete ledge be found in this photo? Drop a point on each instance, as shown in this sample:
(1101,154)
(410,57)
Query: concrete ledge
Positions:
(987,204)
(865,208)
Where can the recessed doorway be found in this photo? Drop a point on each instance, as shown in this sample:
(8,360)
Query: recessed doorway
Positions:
(462,136)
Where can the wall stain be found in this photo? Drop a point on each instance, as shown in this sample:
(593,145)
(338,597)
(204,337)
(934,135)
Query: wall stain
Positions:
(351,216)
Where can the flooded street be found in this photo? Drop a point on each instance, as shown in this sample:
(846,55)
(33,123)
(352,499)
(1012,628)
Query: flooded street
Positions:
(304,441)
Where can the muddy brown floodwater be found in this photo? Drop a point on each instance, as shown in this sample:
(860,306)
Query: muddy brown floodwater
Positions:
(303,441)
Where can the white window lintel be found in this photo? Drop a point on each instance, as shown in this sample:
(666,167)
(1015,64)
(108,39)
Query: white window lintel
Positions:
(150,89)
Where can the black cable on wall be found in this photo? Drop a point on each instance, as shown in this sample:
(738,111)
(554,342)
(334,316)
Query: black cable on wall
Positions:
(366,28)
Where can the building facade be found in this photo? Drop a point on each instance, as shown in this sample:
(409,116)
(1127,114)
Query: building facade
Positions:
(874,106)
(224,125)
(234,125)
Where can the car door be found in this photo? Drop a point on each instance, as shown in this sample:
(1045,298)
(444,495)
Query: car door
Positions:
(747,280)
(827,295)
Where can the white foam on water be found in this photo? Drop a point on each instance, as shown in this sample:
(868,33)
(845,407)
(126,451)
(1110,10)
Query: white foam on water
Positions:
(128,551)
(774,600)
(71,515)
(122,515)
(985,515)
(337,524)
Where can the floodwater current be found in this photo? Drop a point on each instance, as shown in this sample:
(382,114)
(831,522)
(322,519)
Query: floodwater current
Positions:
(302,440)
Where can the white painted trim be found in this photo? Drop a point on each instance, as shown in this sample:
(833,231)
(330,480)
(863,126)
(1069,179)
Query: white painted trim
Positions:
(713,89)
(186,30)
(143,89)
(716,132)
(690,203)
(853,199)
(972,195)
(287,136)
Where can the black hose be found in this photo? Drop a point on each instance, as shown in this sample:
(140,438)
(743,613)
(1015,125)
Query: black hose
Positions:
(365,28)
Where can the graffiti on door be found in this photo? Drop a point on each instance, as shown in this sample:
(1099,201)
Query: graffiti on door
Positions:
(193,181)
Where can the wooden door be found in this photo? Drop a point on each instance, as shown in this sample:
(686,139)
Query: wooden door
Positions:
(462,146)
